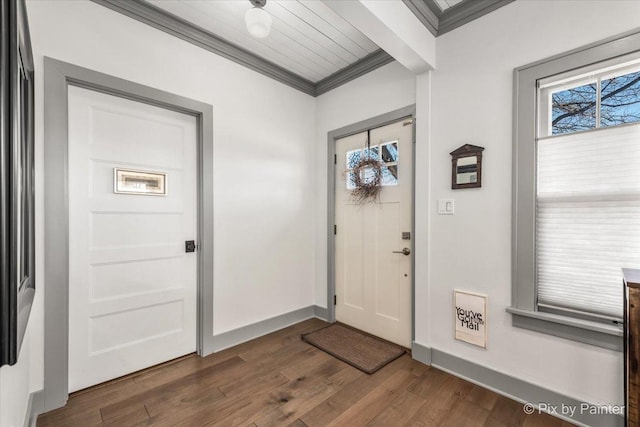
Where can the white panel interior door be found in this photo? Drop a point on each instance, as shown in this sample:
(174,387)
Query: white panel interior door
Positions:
(132,287)
(373,284)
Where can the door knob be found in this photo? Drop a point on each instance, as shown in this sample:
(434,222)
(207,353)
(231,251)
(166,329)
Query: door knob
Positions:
(190,246)
(404,251)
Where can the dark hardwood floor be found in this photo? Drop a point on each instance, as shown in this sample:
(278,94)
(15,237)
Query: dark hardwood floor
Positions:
(278,380)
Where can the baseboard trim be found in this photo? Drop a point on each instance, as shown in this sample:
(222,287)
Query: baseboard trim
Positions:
(516,389)
(35,407)
(255,330)
(421,353)
(320,312)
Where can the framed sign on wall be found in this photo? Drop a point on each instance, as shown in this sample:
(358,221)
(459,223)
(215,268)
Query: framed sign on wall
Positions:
(17,222)
(470,317)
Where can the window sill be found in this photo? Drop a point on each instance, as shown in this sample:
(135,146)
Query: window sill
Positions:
(585,331)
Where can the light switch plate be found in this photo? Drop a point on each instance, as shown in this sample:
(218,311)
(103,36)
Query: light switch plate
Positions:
(446,207)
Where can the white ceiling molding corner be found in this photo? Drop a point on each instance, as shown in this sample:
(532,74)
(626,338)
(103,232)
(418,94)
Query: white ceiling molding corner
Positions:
(423,12)
(365,65)
(457,13)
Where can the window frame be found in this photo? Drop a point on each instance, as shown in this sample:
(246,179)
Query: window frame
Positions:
(523,307)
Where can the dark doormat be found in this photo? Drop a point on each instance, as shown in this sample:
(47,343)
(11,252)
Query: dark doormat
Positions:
(358,349)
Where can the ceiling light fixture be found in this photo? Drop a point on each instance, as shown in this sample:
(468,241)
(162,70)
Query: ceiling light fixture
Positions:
(258,20)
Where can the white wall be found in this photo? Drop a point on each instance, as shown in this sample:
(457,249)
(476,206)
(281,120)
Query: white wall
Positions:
(386,89)
(14,389)
(264,166)
(472,103)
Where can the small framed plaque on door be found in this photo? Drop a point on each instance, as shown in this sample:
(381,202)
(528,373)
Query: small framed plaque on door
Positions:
(126,181)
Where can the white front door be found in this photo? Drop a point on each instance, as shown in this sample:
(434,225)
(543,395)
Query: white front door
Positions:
(373,276)
(132,287)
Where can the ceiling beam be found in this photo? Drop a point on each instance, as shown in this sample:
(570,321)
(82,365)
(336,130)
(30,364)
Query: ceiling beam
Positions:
(392,26)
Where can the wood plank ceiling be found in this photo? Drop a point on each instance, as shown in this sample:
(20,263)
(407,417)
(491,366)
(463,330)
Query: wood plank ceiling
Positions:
(307,37)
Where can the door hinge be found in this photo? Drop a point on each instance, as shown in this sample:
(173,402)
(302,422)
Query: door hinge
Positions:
(335,229)
(190,246)
(335,300)
(335,159)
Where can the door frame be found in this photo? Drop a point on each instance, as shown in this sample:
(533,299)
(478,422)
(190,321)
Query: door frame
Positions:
(58,76)
(363,126)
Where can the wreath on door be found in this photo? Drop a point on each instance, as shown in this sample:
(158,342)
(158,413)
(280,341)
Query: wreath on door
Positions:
(366,178)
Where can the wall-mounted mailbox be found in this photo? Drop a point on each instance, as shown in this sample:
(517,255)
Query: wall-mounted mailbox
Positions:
(466,167)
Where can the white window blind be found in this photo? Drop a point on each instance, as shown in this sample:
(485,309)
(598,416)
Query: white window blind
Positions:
(588,218)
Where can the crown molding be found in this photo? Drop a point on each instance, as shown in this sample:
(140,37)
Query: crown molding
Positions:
(439,22)
(158,18)
(423,12)
(467,11)
(365,65)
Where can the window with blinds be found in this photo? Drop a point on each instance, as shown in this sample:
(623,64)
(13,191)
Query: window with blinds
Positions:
(588,191)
